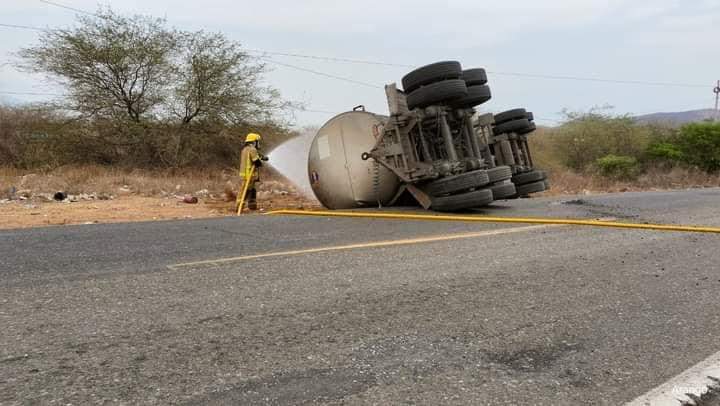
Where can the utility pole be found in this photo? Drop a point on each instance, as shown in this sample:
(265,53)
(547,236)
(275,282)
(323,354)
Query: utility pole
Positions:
(717,100)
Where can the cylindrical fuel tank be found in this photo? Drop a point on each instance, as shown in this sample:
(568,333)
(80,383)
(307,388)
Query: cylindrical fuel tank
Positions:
(339,177)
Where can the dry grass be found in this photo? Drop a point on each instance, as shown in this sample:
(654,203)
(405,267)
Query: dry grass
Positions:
(117,182)
(568,182)
(97,179)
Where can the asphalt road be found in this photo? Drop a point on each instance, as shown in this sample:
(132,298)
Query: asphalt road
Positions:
(99,314)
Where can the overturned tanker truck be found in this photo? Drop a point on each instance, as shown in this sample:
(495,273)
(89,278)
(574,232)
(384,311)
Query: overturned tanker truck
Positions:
(434,148)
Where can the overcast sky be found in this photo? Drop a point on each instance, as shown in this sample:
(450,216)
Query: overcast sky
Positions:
(634,40)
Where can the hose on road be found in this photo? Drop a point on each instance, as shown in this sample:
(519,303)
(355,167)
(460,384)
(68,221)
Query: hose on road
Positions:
(486,219)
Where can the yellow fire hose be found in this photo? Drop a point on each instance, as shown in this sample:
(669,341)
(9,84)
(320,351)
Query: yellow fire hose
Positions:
(241,196)
(486,219)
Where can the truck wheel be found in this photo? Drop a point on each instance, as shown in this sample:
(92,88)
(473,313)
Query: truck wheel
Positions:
(513,126)
(456,183)
(503,191)
(437,92)
(529,177)
(463,201)
(477,95)
(510,115)
(535,187)
(528,130)
(431,73)
(474,77)
(499,173)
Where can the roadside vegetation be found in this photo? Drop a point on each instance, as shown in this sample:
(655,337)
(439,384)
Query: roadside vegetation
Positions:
(597,151)
(142,97)
(139,94)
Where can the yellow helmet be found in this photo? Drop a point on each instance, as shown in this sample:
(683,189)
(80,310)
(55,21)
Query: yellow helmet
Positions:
(252,137)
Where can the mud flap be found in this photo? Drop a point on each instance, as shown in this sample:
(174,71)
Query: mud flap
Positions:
(422,197)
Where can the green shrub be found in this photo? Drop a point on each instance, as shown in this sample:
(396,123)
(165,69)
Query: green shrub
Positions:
(665,151)
(618,166)
(588,137)
(699,144)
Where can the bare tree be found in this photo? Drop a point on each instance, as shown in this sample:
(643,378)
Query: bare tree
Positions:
(152,95)
(215,80)
(112,65)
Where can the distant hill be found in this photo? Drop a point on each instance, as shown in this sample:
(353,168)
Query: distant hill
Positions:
(9,100)
(677,118)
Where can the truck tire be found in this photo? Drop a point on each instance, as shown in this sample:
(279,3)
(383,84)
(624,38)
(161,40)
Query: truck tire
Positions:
(477,95)
(535,187)
(474,77)
(476,198)
(435,72)
(456,183)
(438,92)
(499,174)
(503,190)
(547,184)
(529,177)
(510,115)
(513,126)
(528,130)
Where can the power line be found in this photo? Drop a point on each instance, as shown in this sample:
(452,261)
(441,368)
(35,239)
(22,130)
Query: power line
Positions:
(500,73)
(31,93)
(77,10)
(378,63)
(329,58)
(22,27)
(382,63)
(327,75)
(302,109)
(308,110)
(590,79)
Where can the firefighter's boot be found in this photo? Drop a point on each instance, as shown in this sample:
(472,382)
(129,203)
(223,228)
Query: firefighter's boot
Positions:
(252,199)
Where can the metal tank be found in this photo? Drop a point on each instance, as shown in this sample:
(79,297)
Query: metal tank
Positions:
(339,177)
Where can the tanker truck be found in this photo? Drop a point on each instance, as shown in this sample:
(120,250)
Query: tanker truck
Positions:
(435,148)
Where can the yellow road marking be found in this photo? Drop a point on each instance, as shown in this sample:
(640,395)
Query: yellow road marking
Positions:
(487,219)
(375,244)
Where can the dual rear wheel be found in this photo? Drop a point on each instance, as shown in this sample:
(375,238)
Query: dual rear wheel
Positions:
(446,83)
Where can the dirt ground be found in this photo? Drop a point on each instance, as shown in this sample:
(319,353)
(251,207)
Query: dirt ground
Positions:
(126,208)
(105,195)
(100,195)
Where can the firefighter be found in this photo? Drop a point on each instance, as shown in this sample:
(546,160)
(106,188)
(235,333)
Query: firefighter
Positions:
(250,162)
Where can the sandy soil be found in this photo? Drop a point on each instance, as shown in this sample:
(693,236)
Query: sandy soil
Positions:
(22,214)
(111,195)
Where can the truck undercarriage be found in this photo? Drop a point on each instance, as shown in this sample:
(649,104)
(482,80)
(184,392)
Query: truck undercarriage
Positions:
(448,156)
